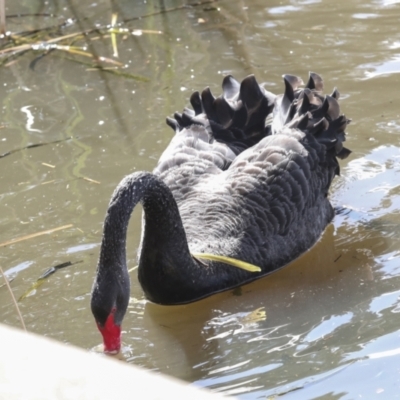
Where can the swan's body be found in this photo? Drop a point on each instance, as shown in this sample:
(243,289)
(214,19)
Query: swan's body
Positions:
(230,185)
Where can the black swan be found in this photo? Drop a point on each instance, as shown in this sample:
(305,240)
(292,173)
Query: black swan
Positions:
(240,192)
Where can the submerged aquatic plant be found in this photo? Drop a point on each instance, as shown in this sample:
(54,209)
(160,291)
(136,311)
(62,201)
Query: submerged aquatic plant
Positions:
(76,46)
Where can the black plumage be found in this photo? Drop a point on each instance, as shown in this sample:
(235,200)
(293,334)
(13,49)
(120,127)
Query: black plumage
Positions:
(245,176)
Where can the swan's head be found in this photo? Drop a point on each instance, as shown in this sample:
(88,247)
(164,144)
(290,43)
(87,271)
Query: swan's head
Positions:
(109,304)
(111,332)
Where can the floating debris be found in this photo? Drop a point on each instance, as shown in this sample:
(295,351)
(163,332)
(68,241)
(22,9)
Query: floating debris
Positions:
(34,145)
(85,178)
(48,165)
(13,299)
(42,278)
(50,40)
(33,235)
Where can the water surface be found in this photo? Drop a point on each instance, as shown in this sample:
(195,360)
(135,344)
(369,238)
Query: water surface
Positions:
(327,325)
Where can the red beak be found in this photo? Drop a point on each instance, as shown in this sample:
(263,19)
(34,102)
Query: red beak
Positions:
(111,335)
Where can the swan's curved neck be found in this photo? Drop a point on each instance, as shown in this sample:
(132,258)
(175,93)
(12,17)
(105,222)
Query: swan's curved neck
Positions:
(164,248)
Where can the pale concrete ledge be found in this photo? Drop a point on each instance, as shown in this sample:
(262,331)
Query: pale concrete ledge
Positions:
(37,368)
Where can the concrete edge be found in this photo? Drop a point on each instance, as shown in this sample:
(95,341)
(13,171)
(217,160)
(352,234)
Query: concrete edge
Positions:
(33,367)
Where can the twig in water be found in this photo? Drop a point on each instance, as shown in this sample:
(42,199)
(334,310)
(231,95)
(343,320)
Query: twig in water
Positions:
(48,165)
(113,35)
(14,300)
(85,178)
(5,284)
(31,15)
(33,235)
(31,146)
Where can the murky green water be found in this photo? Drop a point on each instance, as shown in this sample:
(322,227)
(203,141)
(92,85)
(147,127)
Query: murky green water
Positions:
(326,326)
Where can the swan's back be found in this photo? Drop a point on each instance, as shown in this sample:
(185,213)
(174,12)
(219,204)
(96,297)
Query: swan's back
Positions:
(246,176)
(251,171)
